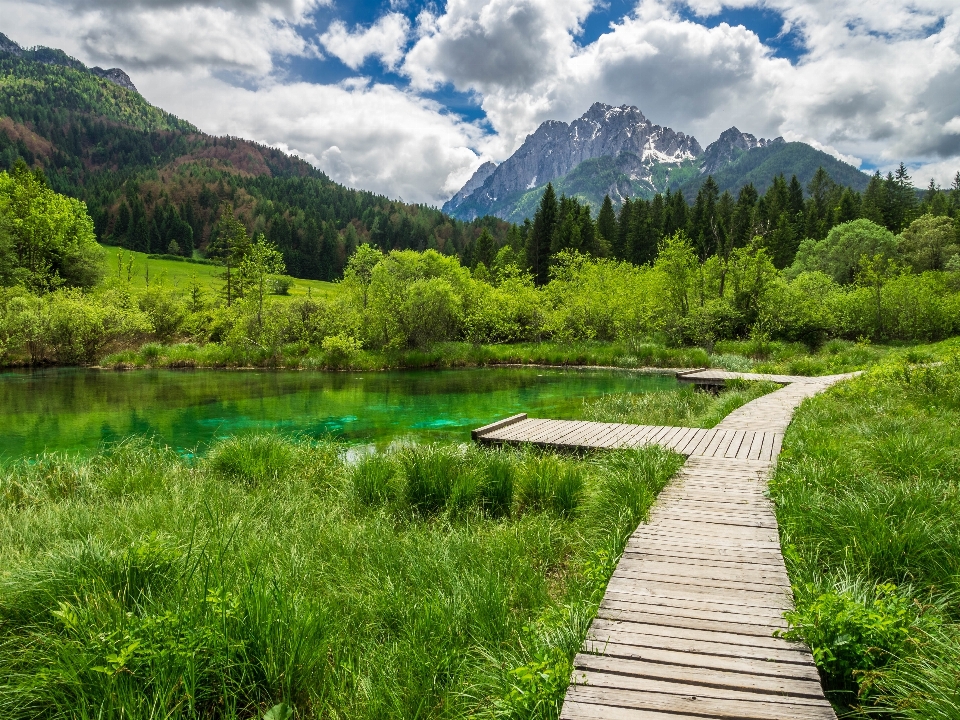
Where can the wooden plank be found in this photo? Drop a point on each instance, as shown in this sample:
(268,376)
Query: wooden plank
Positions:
(627,594)
(752,666)
(559,431)
(655,609)
(599,636)
(590,703)
(767,447)
(636,438)
(581,438)
(515,431)
(481,431)
(767,601)
(696,635)
(692,442)
(777,445)
(740,573)
(699,676)
(682,440)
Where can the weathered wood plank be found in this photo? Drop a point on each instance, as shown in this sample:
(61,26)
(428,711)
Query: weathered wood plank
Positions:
(589,703)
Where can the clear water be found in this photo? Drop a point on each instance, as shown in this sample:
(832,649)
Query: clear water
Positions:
(79,410)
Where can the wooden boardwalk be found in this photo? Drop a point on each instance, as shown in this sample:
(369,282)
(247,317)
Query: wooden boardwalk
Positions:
(685,630)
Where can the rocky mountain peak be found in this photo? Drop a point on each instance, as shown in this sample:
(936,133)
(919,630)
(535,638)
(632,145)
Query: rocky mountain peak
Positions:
(729,146)
(556,148)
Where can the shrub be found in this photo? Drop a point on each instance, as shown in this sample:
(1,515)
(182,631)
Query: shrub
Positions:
(851,632)
(340,350)
(838,255)
(551,484)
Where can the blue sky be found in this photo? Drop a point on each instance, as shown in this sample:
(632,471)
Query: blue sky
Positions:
(407,97)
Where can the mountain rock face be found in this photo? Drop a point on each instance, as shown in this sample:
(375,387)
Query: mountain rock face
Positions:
(476,181)
(116,76)
(51,56)
(9,46)
(728,147)
(556,148)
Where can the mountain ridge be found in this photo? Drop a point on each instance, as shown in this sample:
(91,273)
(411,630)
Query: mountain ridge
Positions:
(621,167)
(52,56)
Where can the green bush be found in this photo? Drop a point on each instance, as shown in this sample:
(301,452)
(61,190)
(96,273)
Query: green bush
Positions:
(852,633)
(838,255)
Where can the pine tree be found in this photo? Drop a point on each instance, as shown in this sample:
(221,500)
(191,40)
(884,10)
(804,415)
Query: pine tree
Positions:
(541,234)
(874,205)
(607,221)
(621,244)
(643,234)
(741,227)
(484,251)
(820,189)
(849,207)
(703,219)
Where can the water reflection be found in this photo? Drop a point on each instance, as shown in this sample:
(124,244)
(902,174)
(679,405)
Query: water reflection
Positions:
(77,409)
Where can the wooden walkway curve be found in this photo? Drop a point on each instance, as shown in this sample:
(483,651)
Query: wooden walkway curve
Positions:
(686,627)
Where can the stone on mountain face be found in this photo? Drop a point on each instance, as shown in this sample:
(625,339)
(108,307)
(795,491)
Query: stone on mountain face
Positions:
(116,76)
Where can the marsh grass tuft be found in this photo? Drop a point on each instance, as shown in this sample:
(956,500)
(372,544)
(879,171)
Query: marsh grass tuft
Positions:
(371,479)
(252,459)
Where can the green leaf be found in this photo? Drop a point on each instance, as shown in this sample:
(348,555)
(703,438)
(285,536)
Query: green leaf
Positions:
(279,712)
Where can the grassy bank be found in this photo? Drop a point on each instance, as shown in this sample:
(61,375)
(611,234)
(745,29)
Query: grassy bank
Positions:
(835,356)
(431,581)
(346,356)
(868,499)
(686,407)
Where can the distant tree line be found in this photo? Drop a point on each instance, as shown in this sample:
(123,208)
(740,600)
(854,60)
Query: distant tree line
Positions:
(718,223)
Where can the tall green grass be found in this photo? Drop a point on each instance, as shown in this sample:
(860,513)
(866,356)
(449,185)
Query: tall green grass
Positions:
(868,499)
(441,355)
(420,582)
(686,407)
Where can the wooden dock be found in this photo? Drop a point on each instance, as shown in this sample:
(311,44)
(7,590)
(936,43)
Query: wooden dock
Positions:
(686,627)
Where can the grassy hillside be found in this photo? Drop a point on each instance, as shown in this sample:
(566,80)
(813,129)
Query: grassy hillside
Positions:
(181,274)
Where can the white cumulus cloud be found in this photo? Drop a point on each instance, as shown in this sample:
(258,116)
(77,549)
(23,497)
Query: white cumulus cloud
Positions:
(384,39)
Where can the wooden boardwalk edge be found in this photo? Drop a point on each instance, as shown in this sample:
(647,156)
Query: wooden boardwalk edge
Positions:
(686,627)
